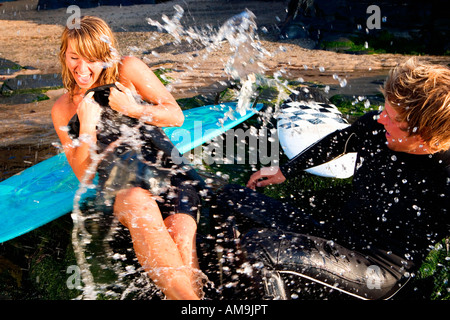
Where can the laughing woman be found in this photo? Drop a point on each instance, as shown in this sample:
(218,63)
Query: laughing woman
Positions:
(164,243)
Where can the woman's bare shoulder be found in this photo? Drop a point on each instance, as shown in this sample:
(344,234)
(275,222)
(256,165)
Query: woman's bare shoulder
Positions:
(61,107)
(62,101)
(132,61)
(132,66)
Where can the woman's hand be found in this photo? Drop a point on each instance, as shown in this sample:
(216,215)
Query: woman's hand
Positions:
(123,101)
(265,177)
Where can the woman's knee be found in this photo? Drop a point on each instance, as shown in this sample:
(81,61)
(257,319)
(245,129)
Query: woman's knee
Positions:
(180,219)
(180,224)
(134,193)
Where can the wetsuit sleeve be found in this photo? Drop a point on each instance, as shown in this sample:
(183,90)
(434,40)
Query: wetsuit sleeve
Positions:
(331,146)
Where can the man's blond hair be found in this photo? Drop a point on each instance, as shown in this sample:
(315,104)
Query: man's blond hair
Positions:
(420,93)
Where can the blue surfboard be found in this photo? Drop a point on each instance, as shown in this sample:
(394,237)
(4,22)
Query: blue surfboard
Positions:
(45,191)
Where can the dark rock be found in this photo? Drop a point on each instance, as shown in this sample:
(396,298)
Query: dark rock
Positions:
(30,83)
(8,67)
(23,98)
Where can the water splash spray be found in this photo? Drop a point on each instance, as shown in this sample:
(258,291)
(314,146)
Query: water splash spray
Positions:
(245,62)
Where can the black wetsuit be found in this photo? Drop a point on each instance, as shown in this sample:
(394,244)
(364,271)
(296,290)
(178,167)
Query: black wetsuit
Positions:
(399,207)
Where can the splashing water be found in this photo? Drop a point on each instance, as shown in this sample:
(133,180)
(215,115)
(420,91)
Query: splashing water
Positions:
(115,56)
(245,63)
(91,239)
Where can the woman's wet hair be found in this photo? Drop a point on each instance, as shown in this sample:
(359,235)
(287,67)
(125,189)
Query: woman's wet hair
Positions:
(93,40)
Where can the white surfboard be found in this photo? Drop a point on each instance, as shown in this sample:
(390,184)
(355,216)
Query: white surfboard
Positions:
(302,123)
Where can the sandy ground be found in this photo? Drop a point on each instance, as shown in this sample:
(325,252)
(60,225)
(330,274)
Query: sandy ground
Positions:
(30,37)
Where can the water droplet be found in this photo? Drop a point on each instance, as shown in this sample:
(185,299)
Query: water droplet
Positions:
(105,39)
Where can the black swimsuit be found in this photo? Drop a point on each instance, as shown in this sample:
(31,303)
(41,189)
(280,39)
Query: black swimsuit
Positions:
(141,160)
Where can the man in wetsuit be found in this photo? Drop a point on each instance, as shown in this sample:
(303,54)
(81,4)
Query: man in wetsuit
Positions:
(398,209)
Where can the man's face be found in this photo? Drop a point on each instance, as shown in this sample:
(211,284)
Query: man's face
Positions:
(397,136)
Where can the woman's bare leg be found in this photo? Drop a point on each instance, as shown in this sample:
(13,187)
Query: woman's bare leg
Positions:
(154,246)
(183,229)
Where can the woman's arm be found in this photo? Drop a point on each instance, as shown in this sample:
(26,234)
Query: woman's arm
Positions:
(162,109)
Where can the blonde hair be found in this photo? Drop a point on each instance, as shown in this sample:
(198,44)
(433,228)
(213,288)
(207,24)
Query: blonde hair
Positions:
(420,93)
(95,41)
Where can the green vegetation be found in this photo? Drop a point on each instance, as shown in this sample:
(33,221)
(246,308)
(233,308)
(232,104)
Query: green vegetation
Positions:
(194,102)
(379,42)
(35,264)
(386,42)
(356,107)
(161,74)
(349,46)
(436,268)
